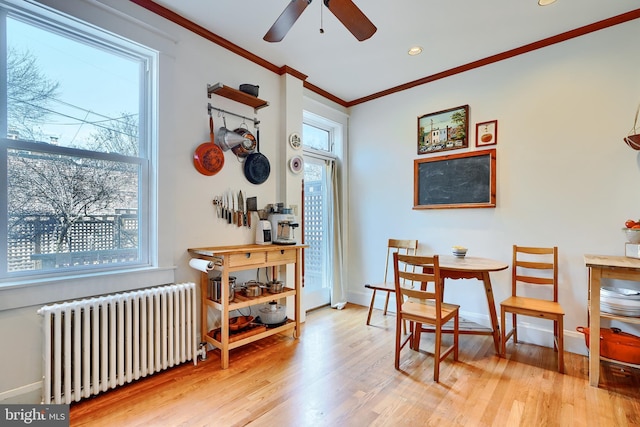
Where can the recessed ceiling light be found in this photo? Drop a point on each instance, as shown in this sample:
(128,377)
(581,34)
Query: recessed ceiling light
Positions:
(545,2)
(415,50)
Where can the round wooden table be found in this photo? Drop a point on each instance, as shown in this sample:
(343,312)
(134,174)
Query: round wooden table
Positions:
(452,267)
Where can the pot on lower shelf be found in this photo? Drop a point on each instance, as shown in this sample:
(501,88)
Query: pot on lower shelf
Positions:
(273,313)
(616,345)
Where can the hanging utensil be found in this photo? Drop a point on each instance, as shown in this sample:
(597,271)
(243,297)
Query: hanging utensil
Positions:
(252,206)
(234,219)
(256,166)
(241,217)
(208,158)
(248,145)
(216,203)
(247,213)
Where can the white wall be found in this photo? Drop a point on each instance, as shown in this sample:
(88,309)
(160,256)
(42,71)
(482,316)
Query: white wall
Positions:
(564,175)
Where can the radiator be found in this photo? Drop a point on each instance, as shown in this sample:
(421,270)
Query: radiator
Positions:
(96,344)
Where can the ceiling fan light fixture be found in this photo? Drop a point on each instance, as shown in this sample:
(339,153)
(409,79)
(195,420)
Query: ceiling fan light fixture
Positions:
(415,50)
(545,2)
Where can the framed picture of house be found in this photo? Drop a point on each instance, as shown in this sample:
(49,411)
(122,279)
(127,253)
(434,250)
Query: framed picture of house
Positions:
(443,130)
(486,133)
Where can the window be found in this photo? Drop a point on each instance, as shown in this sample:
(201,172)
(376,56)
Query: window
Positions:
(316,137)
(75,187)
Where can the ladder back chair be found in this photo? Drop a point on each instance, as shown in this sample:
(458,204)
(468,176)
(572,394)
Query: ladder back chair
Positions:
(407,247)
(413,275)
(534,266)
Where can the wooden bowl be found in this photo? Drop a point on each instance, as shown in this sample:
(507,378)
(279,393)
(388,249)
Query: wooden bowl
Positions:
(240,322)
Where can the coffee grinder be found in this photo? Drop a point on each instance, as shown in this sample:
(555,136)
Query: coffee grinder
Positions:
(263,229)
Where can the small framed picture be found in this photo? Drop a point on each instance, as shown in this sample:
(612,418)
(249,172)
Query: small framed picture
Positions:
(486,133)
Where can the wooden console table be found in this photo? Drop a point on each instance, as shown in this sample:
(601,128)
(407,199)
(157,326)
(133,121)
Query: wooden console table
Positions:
(605,267)
(227,259)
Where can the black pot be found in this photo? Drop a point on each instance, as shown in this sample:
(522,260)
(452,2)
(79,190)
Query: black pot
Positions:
(256,166)
(249,89)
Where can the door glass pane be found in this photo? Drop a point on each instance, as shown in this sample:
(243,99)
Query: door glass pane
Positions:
(316,282)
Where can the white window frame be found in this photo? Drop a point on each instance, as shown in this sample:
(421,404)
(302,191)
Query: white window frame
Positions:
(16,291)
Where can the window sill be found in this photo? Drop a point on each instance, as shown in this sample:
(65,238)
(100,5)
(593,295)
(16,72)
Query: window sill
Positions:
(46,291)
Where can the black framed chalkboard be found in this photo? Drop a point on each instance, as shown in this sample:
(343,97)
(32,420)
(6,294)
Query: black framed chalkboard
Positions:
(466,180)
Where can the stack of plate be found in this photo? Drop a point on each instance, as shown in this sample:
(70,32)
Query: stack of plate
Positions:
(620,301)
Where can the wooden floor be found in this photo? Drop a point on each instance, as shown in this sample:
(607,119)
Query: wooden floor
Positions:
(340,373)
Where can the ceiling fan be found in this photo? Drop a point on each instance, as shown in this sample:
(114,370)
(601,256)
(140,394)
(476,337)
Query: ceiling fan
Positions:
(345,10)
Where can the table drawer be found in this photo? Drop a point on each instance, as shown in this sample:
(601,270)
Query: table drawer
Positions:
(246,259)
(283,255)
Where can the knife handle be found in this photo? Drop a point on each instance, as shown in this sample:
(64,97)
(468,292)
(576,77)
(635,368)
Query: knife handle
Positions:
(249,219)
(239,222)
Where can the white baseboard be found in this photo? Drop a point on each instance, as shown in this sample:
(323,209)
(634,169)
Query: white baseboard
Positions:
(19,395)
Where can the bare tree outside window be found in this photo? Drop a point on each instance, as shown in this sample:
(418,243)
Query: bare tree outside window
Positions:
(28,92)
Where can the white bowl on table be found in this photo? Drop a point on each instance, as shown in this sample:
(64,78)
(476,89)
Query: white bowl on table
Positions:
(459,251)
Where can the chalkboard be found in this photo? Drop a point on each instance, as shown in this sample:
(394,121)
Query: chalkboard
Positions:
(466,180)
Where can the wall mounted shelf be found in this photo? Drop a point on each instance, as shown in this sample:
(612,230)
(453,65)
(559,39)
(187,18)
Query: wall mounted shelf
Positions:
(236,95)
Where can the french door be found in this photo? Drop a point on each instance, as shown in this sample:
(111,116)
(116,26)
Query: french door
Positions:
(317,275)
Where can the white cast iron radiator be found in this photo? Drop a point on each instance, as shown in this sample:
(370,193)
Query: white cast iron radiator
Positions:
(96,344)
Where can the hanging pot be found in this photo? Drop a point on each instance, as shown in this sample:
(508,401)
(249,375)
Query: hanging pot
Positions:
(247,146)
(208,158)
(256,166)
(228,139)
(633,139)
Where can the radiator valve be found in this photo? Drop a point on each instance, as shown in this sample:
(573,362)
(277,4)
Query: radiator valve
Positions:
(203,351)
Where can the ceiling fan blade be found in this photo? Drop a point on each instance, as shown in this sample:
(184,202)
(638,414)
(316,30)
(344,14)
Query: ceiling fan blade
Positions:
(352,18)
(285,21)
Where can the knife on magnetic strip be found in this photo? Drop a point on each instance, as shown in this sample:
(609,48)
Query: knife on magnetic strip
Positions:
(241,219)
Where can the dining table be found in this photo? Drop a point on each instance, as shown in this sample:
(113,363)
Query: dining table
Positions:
(466,267)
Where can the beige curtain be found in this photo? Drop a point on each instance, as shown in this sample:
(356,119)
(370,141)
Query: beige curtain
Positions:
(338,291)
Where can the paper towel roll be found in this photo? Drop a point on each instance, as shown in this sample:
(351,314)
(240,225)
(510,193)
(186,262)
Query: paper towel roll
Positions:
(201,264)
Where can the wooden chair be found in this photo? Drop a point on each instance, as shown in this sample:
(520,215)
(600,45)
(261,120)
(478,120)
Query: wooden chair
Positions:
(423,306)
(407,247)
(536,266)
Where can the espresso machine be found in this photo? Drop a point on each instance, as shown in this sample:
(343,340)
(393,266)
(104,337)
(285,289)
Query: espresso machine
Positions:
(283,225)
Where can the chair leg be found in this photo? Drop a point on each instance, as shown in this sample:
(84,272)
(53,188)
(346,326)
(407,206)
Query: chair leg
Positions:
(456,326)
(515,327)
(436,354)
(398,327)
(503,332)
(560,328)
(386,304)
(417,334)
(373,299)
